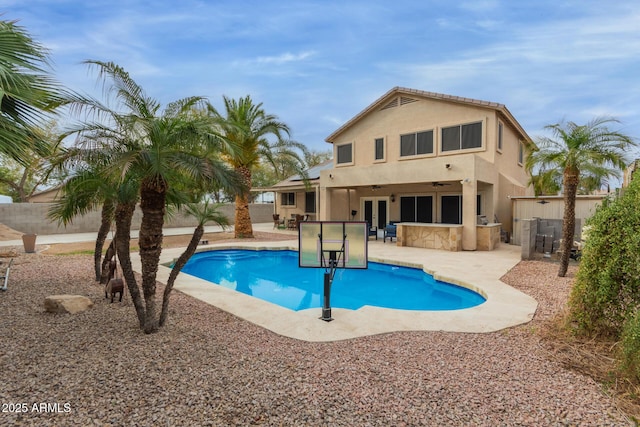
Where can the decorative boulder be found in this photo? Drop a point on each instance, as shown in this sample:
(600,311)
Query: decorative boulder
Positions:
(67,304)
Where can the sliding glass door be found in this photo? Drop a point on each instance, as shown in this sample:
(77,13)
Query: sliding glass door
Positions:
(451,209)
(416,209)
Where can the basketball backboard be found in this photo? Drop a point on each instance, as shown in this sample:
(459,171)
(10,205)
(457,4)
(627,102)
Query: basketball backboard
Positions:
(318,239)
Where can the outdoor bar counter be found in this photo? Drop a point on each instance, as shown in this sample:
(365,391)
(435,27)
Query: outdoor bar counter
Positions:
(446,237)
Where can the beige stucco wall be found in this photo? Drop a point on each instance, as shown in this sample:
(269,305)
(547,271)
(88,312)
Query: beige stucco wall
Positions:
(494,174)
(299,208)
(429,114)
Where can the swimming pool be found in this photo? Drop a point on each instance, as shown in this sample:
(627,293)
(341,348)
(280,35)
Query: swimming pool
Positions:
(274,276)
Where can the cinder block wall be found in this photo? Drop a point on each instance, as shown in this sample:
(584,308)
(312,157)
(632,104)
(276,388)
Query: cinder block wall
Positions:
(32,218)
(532,227)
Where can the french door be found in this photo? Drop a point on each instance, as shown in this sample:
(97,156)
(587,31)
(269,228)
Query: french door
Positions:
(375,211)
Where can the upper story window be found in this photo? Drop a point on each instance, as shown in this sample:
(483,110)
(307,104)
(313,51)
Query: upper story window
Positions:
(379,147)
(520,152)
(413,144)
(462,137)
(500,132)
(344,153)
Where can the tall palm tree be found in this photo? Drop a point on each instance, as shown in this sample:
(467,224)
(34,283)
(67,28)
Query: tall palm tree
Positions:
(27,92)
(592,149)
(246,128)
(202,213)
(156,149)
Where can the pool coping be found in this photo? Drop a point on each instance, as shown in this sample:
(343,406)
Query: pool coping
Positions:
(478,270)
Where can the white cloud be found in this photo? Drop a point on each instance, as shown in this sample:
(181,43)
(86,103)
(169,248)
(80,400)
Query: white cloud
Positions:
(284,58)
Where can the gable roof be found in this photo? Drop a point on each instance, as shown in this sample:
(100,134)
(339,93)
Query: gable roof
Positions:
(383,102)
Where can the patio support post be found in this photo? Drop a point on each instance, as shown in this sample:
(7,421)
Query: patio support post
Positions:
(325,204)
(469,218)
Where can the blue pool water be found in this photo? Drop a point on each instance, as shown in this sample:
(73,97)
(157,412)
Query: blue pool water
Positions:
(274,276)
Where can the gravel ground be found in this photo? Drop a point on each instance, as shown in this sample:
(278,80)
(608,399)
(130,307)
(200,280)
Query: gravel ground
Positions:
(209,368)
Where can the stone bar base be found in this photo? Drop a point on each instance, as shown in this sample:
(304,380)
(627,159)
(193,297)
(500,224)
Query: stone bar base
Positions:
(487,237)
(446,237)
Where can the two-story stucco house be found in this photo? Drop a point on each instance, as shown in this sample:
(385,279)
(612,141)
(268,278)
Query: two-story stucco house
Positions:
(442,167)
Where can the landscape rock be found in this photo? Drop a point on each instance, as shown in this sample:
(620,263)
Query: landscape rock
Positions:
(67,304)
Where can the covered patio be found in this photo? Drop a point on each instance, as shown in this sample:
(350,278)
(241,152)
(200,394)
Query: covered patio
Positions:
(450,215)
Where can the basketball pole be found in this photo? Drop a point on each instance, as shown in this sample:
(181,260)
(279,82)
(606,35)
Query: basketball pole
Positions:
(328,279)
(329,273)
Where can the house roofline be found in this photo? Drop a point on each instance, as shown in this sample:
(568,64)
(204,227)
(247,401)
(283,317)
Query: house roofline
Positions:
(295,185)
(437,96)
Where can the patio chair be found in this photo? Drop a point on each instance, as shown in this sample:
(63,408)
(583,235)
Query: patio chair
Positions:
(390,232)
(5,276)
(291,222)
(277,222)
(373,231)
(299,218)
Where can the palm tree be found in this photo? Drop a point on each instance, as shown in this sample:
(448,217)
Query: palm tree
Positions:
(157,150)
(546,182)
(86,191)
(27,93)
(246,128)
(592,150)
(203,213)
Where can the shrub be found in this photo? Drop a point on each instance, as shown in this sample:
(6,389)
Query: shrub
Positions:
(631,346)
(607,288)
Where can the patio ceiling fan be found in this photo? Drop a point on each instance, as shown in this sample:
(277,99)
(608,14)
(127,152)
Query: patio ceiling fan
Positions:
(439,184)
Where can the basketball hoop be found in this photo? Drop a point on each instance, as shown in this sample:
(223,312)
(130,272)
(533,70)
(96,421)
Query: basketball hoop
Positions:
(332,245)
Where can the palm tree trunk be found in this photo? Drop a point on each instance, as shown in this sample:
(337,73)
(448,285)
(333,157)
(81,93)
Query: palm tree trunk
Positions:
(242,225)
(123,216)
(111,251)
(105,226)
(180,262)
(152,203)
(571,180)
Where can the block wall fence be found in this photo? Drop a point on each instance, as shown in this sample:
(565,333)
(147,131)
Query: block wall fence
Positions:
(31,218)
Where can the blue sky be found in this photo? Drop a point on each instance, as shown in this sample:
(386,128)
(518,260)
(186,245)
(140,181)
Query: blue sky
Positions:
(316,64)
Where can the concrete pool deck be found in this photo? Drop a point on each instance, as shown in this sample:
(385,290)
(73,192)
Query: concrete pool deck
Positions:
(478,270)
